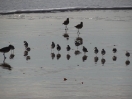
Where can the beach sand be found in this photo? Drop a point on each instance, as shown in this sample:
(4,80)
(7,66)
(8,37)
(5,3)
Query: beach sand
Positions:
(42,77)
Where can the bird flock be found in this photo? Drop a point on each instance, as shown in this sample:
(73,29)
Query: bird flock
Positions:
(78,42)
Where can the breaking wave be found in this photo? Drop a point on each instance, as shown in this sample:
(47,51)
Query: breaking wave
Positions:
(55,10)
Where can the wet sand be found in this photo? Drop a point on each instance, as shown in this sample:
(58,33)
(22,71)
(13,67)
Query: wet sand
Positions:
(42,77)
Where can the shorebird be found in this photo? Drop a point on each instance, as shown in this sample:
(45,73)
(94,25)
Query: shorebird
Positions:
(25,44)
(114,50)
(68,48)
(96,50)
(84,49)
(127,54)
(66,22)
(52,45)
(5,50)
(103,52)
(79,26)
(58,47)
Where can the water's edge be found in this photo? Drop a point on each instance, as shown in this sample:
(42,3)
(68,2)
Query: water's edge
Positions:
(54,10)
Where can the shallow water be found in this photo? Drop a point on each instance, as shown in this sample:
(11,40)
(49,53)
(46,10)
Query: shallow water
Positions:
(43,77)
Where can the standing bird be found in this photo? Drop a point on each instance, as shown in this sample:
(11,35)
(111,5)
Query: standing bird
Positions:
(96,50)
(5,50)
(84,49)
(66,22)
(58,47)
(103,52)
(79,26)
(52,45)
(25,44)
(68,48)
(114,50)
(127,54)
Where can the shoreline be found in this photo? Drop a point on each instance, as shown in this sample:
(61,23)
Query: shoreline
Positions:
(55,10)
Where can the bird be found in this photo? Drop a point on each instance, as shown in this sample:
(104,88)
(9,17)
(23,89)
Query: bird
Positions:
(96,50)
(68,48)
(52,45)
(58,47)
(127,54)
(79,26)
(25,44)
(5,50)
(66,22)
(114,50)
(103,52)
(84,49)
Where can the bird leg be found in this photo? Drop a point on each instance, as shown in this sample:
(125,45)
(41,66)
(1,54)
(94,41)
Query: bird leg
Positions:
(4,55)
(65,31)
(66,27)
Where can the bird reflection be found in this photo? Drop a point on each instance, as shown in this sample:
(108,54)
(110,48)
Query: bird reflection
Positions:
(127,62)
(6,66)
(96,59)
(58,56)
(66,35)
(114,58)
(103,61)
(84,58)
(77,43)
(25,53)
(77,52)
(11,56)
(28,58)
(52,55)
(80,40)
(68,56)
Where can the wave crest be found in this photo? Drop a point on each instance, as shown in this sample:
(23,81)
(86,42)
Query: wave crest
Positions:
(54,10)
